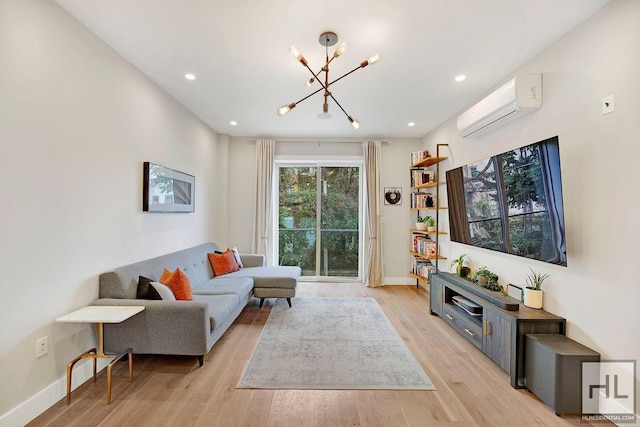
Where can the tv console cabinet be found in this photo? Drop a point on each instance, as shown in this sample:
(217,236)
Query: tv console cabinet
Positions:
(497,325)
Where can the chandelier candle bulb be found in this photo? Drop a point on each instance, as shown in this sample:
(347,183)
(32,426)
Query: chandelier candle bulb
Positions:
(294,51)
(341,49)
(284,110)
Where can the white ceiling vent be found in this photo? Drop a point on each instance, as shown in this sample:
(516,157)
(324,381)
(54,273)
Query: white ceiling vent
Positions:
(518,97)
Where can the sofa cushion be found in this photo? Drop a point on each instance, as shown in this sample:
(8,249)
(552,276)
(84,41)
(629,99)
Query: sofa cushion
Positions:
(240,286)
(223,263)
(220,307)
(270,277)
(145,290)
(179,283)
(236,254)
(164,291)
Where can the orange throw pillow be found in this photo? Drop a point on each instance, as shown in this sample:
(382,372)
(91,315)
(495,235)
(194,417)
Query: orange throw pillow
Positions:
(178,282)
(223,263)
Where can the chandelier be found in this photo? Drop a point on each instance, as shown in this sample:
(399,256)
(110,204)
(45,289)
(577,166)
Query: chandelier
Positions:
(328,38)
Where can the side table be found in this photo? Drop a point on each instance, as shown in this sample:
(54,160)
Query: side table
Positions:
(99,315)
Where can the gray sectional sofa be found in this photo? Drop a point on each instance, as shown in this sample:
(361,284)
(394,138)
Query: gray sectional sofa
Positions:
(188,327)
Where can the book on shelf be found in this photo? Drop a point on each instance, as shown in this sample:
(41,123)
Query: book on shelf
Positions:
(422,200)
(424,245)
(418,156)
(421,267)
(422,176)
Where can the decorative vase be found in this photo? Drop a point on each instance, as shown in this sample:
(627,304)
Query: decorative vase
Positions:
(421,226)
(533,298)
(482,280)
(463,271)
(431,228)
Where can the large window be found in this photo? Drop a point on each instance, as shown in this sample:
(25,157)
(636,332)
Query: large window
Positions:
(319,219)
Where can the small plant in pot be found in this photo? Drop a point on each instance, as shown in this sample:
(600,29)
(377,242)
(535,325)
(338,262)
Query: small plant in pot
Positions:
(431,223)
(421,223)
(533,291)
(486,278)
(461,269)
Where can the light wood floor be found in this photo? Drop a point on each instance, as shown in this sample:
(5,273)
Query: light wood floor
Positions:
(174,391)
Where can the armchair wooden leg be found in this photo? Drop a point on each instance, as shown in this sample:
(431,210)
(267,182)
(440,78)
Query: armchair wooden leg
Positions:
(261,302)
(201,360)
(289,302)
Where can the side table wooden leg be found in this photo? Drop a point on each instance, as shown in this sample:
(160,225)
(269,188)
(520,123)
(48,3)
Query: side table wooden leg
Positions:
(89,353)
(128,352)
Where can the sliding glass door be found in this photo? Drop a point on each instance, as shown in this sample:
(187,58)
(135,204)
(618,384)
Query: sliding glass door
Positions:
(319,219)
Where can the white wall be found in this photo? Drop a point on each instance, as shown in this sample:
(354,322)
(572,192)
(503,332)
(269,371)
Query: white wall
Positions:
(599,291)
(76,123)
(395,173)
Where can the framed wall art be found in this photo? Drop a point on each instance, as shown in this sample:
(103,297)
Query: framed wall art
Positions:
(392,195)
(167,190)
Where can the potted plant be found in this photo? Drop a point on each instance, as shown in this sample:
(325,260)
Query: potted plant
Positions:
(431,223)
(533,291)
(461,269)
(421,223)
(486,278)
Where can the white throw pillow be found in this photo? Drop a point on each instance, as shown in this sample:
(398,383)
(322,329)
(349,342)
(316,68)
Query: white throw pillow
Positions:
(237,255)
(165,292)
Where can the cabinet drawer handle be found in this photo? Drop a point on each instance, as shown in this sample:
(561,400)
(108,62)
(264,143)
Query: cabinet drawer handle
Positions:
(486,328)
(450,317)
(439,296)
(469,332)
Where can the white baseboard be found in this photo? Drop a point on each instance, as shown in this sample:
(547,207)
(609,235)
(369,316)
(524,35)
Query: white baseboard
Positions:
(31,408)
(399,281)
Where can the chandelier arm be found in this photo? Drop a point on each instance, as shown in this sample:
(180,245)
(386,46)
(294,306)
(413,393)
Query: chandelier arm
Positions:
(326,88)
(309,96)
(316,77)
(326,65)
(336,101)
(344,75)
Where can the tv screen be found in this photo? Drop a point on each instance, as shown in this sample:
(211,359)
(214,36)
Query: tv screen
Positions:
(511,202)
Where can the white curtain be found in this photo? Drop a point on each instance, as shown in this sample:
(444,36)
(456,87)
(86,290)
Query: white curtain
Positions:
(372,151)
(263,223)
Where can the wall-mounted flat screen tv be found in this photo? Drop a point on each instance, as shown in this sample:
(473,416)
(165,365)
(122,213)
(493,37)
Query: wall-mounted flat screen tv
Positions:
(511,202)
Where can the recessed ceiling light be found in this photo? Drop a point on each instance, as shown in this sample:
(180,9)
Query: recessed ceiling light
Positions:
(460,77)
(190,76)
(233,123)
(411,124)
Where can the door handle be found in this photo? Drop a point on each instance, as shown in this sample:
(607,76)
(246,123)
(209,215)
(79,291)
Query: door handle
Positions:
(485,329)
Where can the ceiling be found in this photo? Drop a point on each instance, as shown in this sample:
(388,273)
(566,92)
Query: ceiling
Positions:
(239,52)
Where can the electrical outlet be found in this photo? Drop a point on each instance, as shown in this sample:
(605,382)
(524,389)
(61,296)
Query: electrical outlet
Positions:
(42,346)
(608,104)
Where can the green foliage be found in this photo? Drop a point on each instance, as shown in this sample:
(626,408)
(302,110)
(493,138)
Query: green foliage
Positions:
(534,280)
(427,220)
(339,226)
(458,261)
(491,278)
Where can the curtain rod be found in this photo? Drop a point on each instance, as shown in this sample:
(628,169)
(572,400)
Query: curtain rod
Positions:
(338,141)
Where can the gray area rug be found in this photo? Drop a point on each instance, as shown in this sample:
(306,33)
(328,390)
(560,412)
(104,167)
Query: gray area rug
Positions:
(332,344)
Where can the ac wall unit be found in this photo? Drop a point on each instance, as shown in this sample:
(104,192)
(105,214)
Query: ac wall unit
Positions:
(521,95)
